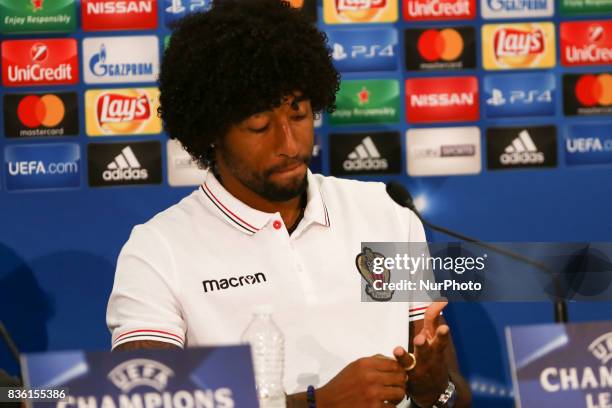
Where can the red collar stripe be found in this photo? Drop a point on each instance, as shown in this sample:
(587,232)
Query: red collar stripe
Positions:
(230,215)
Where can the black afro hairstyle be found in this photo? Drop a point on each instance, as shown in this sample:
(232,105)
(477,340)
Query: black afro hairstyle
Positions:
(240,58)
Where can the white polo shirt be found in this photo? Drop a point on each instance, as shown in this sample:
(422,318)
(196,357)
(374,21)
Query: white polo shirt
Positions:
(193,274)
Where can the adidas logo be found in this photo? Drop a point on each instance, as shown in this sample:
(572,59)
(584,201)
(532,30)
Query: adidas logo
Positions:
(125,166)
(522,151)
(365,156)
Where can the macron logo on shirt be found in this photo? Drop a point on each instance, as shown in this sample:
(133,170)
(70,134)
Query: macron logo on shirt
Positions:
(220,284)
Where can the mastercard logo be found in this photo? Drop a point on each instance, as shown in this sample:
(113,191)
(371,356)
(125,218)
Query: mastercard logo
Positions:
(594,90)
(35,111)
(445,45)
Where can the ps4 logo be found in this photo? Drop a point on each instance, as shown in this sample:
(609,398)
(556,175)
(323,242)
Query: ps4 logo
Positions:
(369,49)
(519,96)
(177,6)
(362,51)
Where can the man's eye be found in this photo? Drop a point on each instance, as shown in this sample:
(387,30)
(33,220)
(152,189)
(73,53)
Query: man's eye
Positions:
(259,130)
(299,117)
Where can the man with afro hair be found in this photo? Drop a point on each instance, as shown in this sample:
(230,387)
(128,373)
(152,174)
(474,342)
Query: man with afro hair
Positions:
(240,87)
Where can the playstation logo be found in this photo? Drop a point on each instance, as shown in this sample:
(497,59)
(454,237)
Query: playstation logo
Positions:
(497,98)
(338,53)
(176,7)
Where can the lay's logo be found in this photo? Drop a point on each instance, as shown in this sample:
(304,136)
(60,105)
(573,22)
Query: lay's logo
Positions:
(122,112)
(359,11)
(518,46)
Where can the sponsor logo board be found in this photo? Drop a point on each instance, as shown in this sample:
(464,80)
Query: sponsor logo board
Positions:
(498,9)
(586,43)
(41,114)
(587,94)
(518,46)
(443,151)
(516,95)
(365,153)
(366,101)
(373,49)
(359,11)
(118,164)
(130,111)
(108,15)
(521,147)
(578,7)
(588,143)
(442,99)
(448,48)
(40,62)
(36,16)
(182,169)
(108,60)
(436,10)
(174,10)
(42,166)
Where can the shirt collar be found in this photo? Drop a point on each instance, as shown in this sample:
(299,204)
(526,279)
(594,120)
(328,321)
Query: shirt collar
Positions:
(250,220)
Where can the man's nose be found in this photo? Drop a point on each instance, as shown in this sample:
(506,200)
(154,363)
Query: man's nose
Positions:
(287,142)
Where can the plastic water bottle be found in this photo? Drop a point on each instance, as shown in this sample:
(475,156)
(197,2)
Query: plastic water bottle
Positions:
(268,350)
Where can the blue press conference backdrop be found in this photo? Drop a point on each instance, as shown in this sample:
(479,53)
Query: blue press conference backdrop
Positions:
(58,247)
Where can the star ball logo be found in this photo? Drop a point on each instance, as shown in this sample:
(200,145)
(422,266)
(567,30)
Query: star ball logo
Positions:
(436,10)
(107,15)
(518,46)
(359,11)
(39,62)
(129,111)
(49,114)
(586,43)
(440,48)
(446,99)
(587,94)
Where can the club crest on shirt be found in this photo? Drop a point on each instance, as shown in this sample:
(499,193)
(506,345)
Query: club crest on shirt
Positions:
(365,266)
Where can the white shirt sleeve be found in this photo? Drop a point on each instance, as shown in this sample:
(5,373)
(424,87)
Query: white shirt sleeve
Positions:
(416,233)
(143,304)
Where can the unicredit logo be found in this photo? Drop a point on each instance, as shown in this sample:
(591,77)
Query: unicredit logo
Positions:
(586,43)
(439,9)
(36,62)
(514,42)
(39,52)
(117,108)
(445,45)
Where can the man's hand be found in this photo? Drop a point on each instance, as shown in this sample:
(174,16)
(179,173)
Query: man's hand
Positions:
(368,382)
(429,378)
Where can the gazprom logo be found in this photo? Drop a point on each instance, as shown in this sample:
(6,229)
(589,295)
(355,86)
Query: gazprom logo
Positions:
(140,372)
(99,67)
(516,8)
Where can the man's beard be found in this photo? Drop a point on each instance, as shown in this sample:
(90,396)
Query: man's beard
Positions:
(261,184)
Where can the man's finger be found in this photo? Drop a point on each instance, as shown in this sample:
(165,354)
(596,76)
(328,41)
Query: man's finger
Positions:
(422,348)
(392,379)
(406,359)
(441,339)
(385,364)
(431,317)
